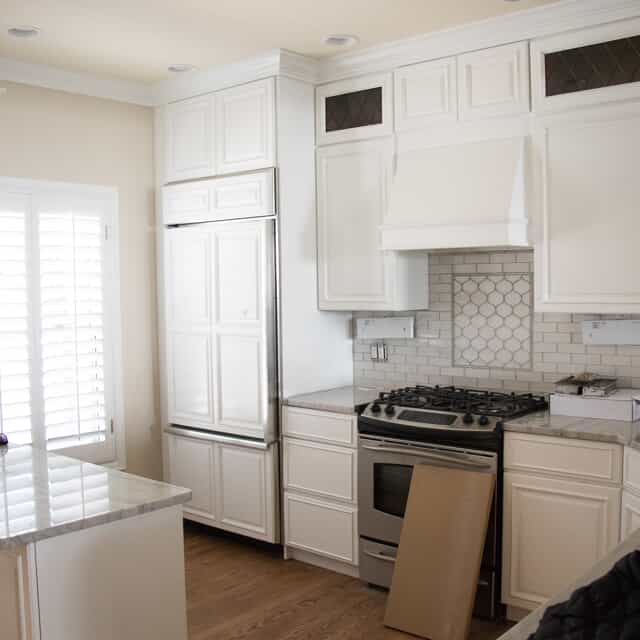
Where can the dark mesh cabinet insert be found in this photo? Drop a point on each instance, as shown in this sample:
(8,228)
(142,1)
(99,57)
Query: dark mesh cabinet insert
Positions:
(355,109)
(598,65)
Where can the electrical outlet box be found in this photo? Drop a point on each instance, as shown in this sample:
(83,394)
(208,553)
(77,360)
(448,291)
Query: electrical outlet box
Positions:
(385,328)
(624,332)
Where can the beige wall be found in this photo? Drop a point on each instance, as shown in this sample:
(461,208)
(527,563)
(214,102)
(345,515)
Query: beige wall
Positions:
(52,135)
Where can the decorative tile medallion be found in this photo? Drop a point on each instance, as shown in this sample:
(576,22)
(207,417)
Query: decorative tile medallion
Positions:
(492,319)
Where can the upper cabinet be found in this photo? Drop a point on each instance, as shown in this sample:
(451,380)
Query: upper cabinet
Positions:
(586,67)
(426,94)
(494,82)
(189,139)
(226,132)
(586,251)
(353,183)
(354,109)
(245,127)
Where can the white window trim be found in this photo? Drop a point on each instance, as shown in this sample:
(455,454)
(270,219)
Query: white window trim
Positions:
(114,316)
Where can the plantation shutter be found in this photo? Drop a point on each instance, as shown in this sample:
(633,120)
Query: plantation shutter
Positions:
(56,383)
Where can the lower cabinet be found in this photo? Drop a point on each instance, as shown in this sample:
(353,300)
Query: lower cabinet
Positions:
(233,485)
(319,471)
(555,527)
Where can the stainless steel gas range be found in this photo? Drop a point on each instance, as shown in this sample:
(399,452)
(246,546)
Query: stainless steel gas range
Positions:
(442,426)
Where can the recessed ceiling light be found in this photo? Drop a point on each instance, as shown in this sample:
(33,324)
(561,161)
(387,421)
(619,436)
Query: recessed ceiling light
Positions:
(181,68)
(340,40)
(24,31)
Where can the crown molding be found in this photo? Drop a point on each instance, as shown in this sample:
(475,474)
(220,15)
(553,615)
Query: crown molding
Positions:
(49,77)
(565,15)
(272,63)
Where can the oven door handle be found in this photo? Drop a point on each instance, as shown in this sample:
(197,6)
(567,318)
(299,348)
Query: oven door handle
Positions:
(379,556)
(452,459)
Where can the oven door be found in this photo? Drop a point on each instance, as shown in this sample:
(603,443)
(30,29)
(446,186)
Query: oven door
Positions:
(384,478)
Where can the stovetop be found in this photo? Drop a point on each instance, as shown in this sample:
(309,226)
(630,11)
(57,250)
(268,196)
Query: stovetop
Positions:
(474,401)
(445,413)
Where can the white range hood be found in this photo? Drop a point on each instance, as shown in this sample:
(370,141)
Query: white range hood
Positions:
(448,196)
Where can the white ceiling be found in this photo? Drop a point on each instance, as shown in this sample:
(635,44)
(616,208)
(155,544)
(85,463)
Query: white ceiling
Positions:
(138,39)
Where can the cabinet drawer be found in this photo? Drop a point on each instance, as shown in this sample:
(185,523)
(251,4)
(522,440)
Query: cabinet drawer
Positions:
(321,527)
(322,426)
(596,461)
(321,469)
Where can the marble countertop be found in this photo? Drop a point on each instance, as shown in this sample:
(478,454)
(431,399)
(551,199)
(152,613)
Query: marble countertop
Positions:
(528,625)
(338,400)
(43,495)
(542,423)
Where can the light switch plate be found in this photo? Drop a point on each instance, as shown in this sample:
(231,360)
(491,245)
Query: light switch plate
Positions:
(611,332)
(381,328)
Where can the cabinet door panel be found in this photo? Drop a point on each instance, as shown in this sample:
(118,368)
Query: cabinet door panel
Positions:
(246,490)
(426,94)
(540,516)
(321,527)
(189,368)
(245,127)
(494,82)
(352,201)
(587,257)
(188,144)
(191,465)
(630,520)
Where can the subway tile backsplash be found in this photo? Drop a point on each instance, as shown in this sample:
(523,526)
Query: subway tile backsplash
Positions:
(434,355)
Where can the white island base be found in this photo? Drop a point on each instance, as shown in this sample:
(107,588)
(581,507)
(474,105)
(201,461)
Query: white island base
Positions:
(122,580)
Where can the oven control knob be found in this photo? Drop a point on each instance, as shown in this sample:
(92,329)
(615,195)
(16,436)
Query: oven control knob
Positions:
(389,409)
(375,408)
(467,418)
(483,421)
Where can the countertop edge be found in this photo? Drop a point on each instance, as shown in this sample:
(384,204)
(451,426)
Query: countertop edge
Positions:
(18,540)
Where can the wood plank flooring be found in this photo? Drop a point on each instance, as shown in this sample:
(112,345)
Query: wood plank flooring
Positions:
(243,590)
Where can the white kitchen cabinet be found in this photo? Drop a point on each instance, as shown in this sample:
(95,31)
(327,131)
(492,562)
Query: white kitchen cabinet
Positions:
(353,273)
(354,109)
(233,482)
(249,195)
(321,527)
(582,87)
(554,531)
(586,257)
(246,490)
(245,127)
(189,139)
(494,82)
(557,492)
(319,470)
(426,94)
(191,465)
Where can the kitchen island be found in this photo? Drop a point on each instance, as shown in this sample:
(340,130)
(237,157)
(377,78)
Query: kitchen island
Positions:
(88,552)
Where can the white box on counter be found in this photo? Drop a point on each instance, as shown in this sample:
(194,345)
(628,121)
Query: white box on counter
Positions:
(623,404)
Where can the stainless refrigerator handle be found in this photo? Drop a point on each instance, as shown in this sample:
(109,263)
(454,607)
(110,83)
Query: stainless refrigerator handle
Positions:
(379,556)
(453,459)
(217,437)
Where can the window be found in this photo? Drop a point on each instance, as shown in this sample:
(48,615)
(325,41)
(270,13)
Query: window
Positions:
(58,317)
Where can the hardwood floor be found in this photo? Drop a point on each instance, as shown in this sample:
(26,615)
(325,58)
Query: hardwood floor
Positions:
(243,590)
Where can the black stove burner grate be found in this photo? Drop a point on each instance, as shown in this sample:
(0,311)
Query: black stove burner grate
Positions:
(488,403)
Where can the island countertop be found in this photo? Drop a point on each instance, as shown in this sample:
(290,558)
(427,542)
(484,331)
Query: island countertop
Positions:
(43,494)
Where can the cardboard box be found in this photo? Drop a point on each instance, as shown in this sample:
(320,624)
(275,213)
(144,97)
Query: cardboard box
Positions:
(620,405)
(443,535)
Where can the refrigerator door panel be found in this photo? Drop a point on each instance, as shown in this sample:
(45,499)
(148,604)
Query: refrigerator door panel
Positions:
(233,303)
